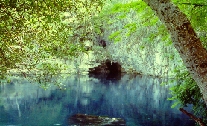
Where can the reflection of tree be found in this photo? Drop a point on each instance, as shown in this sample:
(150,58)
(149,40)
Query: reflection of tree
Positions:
(19,111)
(135,100)
(44,113)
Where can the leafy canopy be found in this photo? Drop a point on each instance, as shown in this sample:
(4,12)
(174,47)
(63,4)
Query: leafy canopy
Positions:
(34,30)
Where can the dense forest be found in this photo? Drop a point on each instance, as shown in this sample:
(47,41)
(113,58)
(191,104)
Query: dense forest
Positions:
(43,38)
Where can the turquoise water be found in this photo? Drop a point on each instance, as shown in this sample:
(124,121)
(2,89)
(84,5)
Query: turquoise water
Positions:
(139,100)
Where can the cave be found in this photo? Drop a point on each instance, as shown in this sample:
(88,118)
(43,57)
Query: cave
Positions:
(108,70)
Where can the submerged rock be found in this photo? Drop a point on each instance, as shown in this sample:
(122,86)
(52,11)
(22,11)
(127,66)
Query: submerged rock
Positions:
(83,119)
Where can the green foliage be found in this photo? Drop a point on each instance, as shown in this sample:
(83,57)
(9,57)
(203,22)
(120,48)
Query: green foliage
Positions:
(138,5)
(32,31)
(187,92)
(196,11)
(116,12)
(49,68)
(132,27)
(142,47)
(115,36)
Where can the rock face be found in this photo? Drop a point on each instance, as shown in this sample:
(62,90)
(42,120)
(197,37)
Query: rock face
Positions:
(83,119)
(107,70)
(145,50)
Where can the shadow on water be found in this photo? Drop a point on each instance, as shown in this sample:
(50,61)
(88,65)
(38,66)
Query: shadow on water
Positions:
(139,100)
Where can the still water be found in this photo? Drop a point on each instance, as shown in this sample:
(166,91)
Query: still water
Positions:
(139,100)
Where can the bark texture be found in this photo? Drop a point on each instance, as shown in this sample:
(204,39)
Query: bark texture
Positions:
(185,40)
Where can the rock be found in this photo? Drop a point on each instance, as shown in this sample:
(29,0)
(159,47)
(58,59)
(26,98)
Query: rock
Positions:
(84,119)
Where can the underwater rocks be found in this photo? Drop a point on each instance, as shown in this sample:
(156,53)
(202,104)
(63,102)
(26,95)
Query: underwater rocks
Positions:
(84,119)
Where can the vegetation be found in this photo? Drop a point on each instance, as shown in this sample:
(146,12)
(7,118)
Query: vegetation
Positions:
(189,47)
(186,91)
(34,34)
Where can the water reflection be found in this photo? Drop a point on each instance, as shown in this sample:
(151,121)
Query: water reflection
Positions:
(140,100)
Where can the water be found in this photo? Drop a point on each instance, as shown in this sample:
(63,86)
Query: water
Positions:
(140,100)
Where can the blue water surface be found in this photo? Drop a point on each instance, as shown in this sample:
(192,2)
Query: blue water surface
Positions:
(139,100)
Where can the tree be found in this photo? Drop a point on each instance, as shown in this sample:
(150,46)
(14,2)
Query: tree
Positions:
(33,31)
(27,22)
(185,40)
(134,17)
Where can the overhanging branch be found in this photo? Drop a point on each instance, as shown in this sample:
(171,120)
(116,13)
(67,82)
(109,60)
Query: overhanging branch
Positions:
(194,4)
(198,120)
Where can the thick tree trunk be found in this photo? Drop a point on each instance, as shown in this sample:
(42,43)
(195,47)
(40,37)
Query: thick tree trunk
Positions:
(185,40)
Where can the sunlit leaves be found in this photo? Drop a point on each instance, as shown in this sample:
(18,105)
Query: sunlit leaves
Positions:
(115,13)
(186,92)
(195,11)
(138,5)
(132,27)
(34,30)
(115,36)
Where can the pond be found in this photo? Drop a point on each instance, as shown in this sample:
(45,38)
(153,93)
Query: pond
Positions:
(139,100)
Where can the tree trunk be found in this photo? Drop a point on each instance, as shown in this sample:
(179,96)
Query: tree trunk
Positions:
(185,41)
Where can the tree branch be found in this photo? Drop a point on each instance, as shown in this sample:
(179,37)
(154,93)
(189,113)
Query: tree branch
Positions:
(198,120)
(194,4)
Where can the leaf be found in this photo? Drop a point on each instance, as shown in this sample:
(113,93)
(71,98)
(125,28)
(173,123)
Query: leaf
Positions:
(114,35)
(175,104)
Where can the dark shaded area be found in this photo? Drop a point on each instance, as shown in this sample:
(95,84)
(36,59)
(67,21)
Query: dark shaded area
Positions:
(83,119)
(102,43)
(107,70)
